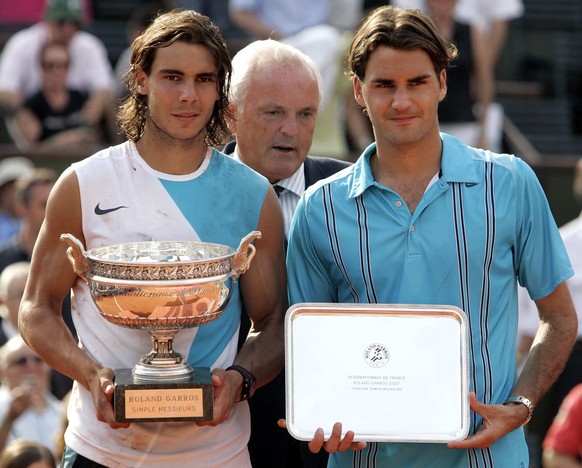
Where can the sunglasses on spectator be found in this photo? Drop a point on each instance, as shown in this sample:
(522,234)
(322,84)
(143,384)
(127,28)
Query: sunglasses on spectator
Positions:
(24,360)
(55,65)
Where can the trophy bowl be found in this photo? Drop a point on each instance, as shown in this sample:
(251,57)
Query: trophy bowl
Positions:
(161,287)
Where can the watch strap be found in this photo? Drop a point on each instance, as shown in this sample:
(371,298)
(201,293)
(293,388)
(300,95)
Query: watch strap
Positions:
(249,381)
(524,401)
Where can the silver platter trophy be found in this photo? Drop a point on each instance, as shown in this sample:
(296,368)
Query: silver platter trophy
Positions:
(161,287)
(389,372)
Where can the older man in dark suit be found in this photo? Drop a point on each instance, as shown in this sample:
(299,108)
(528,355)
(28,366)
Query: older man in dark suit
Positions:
(275,96)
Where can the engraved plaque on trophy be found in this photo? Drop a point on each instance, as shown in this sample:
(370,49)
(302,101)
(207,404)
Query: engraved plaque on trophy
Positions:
(161,287)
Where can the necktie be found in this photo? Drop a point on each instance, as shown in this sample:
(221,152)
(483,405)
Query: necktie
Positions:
(278,189)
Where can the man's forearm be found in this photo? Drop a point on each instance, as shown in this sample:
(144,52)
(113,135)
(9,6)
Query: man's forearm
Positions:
(263,352)
(547,357)
(47,333)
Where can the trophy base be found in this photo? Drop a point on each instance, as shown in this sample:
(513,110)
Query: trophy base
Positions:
(139,400)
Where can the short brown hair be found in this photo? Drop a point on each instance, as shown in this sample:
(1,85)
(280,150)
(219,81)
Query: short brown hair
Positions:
(24,452)
(167,28)
(398,28)
(24,185)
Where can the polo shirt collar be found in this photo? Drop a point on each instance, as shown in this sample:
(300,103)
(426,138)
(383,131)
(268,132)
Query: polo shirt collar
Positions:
(457,165)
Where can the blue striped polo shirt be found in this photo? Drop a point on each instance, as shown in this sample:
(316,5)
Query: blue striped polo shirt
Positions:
(484,224)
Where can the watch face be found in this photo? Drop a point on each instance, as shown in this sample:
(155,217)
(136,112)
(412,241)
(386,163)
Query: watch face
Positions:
(249,386)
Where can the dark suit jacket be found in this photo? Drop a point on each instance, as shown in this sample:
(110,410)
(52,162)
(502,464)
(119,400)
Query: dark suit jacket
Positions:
(317,168)
(270,446)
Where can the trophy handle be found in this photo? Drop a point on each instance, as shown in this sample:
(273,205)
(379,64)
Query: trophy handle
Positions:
(244,254)
(76,255)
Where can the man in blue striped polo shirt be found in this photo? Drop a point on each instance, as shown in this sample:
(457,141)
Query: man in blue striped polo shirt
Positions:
(421,218)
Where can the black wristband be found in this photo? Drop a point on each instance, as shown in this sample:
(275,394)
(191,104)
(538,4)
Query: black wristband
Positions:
(249,381)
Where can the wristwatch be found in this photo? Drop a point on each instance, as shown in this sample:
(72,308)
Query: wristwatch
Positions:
(524,401)
(249,382)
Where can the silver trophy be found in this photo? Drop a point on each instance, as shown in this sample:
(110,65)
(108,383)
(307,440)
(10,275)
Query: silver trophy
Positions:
(161,287)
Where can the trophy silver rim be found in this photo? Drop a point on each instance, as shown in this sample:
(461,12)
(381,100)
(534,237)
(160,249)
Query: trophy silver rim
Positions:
(93,254)
(215,260)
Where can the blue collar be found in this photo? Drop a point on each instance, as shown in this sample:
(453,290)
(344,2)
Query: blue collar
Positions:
(457,165)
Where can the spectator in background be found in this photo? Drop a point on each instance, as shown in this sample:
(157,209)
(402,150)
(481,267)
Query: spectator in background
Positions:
(137,22)
(90,70)
(275,96)
(562,447)
(11,169)
(31,198)
(27,409)
(303,24)
(468,81)
(56,117)
(491,20)
(25,453)
(490,17)
(217,10)
(342,130)
(12,283)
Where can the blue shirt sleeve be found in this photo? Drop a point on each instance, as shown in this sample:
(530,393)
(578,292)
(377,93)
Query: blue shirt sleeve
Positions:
(542,262)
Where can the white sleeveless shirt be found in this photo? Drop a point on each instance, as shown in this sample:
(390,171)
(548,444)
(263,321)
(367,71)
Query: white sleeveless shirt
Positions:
(125,200)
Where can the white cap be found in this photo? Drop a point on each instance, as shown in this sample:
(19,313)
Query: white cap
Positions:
(14,168)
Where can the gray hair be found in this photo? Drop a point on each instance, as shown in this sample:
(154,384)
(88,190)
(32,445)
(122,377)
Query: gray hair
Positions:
(264,54)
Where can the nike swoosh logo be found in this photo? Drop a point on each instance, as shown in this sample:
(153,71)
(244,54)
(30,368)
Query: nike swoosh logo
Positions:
(100,211)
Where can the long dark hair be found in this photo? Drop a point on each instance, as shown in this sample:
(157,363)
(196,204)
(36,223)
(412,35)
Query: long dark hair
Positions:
(176,26)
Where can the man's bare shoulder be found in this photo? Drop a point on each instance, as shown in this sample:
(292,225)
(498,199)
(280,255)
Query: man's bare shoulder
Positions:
(63,212)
